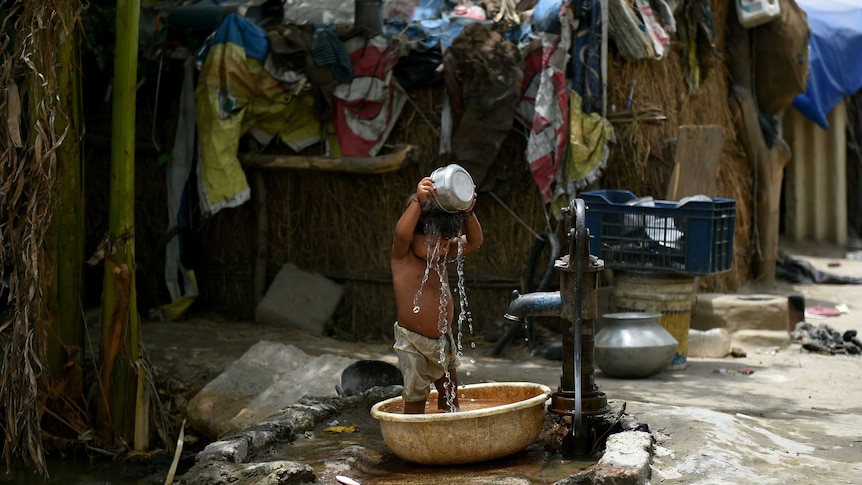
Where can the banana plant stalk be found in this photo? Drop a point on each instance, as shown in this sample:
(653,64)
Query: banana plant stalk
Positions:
(120,378)
(65,347)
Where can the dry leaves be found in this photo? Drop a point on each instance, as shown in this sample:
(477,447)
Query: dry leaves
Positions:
(28,179)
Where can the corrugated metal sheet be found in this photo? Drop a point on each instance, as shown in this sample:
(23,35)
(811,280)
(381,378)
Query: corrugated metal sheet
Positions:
(815,190)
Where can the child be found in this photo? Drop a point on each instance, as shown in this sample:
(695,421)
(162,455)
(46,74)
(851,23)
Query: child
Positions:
(425,237)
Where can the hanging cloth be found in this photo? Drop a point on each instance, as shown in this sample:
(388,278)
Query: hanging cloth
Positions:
(587,58)
(590,140)
(179,169)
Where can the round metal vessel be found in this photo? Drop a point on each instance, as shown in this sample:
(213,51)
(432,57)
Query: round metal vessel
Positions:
(368,14)
(633,345)
(454,187)
(466,436)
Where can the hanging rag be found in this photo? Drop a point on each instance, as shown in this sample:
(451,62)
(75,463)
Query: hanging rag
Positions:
(178,170)
(290,59)
(698,35)
(366,109)
(587,61)
(483,75)
(654,28)
(628,32)
(544,105)
(665,15)
(328,50)
(590,141)
(235,94)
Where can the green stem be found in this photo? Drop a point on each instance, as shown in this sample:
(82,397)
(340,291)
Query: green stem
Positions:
(121,221)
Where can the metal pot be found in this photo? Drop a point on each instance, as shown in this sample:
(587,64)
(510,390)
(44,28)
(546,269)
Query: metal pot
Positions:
(454,187)
(633,345)
(368,14)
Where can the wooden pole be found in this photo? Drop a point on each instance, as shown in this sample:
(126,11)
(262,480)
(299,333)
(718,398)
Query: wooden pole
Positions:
(372,165)
(262,236)
(767,164)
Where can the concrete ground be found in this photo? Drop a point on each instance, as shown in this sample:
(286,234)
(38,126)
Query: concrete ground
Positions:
(796,419)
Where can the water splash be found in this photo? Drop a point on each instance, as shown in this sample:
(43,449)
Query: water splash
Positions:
(442,318)
(463,316)
(430,252)
(449,387)
(444,328)
(436,260)
(462,294)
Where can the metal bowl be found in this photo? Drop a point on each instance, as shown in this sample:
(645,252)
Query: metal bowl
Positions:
(454,187)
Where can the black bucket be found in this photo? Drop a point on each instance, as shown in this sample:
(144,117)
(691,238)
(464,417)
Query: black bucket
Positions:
(362,375)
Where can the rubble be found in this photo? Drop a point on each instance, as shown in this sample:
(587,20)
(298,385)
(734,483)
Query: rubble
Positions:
(825,340)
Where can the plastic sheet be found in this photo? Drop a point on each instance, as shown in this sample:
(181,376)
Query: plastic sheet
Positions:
(834,67)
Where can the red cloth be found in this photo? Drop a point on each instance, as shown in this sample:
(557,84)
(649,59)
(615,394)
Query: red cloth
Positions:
(365,110)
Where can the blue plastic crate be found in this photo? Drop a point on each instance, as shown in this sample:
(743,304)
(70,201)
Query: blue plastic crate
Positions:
(695,238)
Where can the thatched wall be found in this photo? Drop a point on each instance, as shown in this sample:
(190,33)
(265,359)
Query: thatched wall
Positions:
(341,225)
(643,159)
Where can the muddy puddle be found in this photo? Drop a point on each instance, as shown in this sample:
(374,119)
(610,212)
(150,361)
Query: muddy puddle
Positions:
(95,470)
(352,445)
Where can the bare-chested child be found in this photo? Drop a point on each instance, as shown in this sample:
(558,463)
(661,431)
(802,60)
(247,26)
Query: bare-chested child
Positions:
(426,237)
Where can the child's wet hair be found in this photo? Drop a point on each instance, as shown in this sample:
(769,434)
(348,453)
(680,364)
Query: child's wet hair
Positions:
(435,221)
(439,222)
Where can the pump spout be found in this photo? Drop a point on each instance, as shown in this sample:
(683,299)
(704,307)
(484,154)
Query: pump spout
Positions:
(536,304)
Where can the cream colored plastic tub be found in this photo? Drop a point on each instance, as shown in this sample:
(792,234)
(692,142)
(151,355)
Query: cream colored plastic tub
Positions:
(467,436)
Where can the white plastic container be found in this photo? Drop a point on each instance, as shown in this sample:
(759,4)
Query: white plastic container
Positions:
(752,13)
(714,342)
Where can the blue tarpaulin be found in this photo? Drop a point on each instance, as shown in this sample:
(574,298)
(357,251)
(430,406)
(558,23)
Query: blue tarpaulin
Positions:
(834,58)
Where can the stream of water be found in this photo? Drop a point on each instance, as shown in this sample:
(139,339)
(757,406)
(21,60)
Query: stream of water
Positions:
(436,260)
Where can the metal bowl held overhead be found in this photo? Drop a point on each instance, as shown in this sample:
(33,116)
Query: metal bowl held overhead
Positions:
(454,187)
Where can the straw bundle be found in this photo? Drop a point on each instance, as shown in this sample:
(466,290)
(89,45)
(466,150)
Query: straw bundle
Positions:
(29,142)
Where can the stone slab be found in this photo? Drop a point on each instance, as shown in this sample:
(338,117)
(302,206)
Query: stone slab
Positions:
(626,460)
(761,340)
(736,312)
(299,299)
(233,451)
(267,378)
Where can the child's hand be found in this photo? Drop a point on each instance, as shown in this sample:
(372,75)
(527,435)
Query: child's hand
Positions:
(472,204)
(425,189)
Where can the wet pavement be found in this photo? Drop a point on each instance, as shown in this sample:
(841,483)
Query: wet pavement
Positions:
(794,419)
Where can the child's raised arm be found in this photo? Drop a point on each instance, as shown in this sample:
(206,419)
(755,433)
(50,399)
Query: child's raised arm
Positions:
(410,217)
